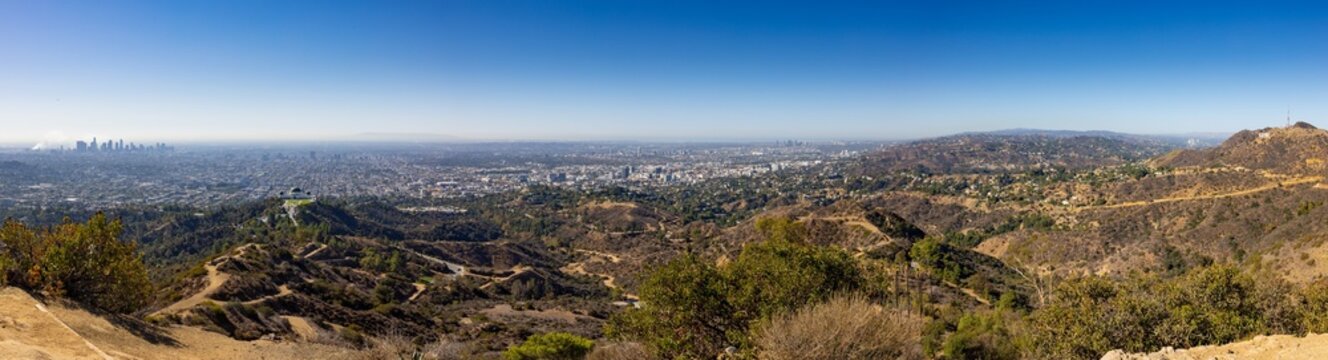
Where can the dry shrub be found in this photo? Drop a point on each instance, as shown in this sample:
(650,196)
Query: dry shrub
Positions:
(620,351)
(395,346)
(841,328)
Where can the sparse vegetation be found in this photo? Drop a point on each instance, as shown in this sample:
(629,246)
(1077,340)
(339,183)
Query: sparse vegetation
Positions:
(696,309)
(845,327)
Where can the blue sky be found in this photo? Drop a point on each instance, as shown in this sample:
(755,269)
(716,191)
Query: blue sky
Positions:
(666,70)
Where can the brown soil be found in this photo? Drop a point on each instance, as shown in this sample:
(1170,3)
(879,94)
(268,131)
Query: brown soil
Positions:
(1280,347)
(31,330)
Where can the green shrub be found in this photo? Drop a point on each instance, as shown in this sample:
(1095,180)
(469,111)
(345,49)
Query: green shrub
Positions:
(981,336)
(685,312)
(1210,305)
(776,276)
(695,309)
(1314,307)
(941,258)
(84,262)
(550,346)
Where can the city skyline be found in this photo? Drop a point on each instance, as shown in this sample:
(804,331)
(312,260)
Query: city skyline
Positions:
(681,71)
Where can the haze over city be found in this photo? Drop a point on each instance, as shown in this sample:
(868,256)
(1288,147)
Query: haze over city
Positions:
(641,180)
(689,70)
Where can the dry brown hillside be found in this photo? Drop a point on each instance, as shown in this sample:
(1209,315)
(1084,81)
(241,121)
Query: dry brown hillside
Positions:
(30,329)
(1300,148)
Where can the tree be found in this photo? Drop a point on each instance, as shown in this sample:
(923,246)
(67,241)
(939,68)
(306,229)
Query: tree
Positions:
(550,346)
(685,312)
(89,263)
(775,276)
(22,254)
(981,336)
(694,309)
(940,258)
(84,262)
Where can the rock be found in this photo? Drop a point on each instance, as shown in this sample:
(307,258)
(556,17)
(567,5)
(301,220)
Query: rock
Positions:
(1114,355)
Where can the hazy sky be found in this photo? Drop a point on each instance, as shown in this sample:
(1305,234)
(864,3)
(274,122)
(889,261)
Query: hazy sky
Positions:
(542,69)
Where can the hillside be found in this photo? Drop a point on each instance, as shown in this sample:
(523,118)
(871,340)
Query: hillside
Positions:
(1297,149)
(358,266)
(30,329)
(1017,152)
(978,226)
(1255,200)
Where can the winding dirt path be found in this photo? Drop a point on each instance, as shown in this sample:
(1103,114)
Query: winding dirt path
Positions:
(281,291)
(215,279)
(614,258)
(517,270)
(579,268)
(848,220)
(1271,186)
(458,270)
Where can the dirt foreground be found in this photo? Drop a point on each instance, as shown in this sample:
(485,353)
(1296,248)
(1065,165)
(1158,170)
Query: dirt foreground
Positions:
(1281,347)
(32,330)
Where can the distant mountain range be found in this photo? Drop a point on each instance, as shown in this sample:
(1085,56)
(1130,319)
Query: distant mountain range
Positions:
(1204,139)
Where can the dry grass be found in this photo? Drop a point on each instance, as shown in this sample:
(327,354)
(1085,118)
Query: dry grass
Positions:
(842,328)
(400,347)
(620,351)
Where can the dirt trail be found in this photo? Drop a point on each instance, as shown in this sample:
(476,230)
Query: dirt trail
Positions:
(969,292)
(517,270)
(320,248)
(302,327)
(282,290)
(1271,186)
(458,270)
(419,289)
(28,332)
(292,211)
(579,268)
(612,257)
(848,220)
(215,279)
